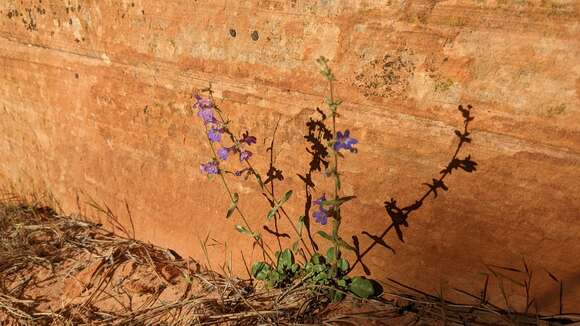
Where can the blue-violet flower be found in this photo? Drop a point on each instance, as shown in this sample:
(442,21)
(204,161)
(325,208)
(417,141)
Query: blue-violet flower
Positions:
(246,138)
(223,153)
(245,155)
(344,141)
(321,215)
(209,168)
(206,112)
(215,134)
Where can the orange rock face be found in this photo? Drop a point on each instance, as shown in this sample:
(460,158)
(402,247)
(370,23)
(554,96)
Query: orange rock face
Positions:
(95,100)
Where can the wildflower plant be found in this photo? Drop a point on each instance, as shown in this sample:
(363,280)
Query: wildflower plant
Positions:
(327,272)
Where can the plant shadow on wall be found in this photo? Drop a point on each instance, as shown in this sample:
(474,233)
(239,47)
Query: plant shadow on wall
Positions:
(303,263)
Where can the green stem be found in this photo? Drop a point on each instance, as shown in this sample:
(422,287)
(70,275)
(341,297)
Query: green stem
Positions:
(268,192)
(273,198)
(230,194)
(336,219)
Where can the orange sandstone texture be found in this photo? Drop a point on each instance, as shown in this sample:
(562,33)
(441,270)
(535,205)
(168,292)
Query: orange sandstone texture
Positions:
(95,98)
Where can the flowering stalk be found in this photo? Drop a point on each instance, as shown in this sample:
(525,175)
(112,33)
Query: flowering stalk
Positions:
(206,109)
(336,221)
(341,141)
(269,193)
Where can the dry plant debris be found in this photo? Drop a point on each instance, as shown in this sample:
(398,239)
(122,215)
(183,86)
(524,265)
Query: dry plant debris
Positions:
(60,270)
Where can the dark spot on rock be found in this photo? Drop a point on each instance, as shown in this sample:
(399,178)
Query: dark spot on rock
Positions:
(83,39)
(233,32)
(70,21)
(77,40)
(79,8)
(255,35)
(142,12)
(132,4)
(76,75)
(10,15)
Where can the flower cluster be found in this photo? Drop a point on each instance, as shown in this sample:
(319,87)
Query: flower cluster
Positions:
(321,215)
(215,130)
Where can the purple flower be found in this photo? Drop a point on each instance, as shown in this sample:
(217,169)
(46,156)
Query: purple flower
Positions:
(223,153)
(215,134)
(203,103)
(209,168)
(320,200)
(245,155)
(206,110)
(246,138)
(321,215)
(206,115)
(240,172)
(343,141)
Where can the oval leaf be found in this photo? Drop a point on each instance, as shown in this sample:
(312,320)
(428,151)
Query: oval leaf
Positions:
(287,196)
(260,270)
(362,287)
(325,235)
(285,260)
(343,265)
(330,255)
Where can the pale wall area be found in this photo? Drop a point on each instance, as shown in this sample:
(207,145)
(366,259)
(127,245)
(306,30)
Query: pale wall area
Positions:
(95,97)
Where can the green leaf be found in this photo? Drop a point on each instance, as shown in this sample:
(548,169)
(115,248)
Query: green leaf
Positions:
(330,255)
(274,277)
(295,246)
(242,229)
(260,271)
(362,287)
(277,206)
(301,224)
(344,244)
(287,196)
(285,260)
(343,265)
(337,202)
(272,212)
(337,296)
(295,268)
(321,277)
(325,235)
(316,259)
(234,204)
(259,179)
(341,283)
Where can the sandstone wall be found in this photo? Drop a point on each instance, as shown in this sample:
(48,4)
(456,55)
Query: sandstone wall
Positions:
(95,101)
